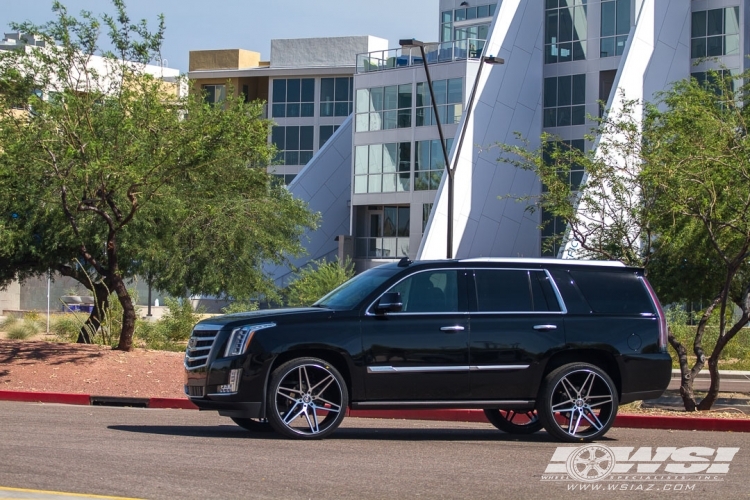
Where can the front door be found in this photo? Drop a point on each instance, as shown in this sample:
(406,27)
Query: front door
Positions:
(421,352)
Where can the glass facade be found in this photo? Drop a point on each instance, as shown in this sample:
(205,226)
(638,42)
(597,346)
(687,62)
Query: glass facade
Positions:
(715,33)
(564,100)
(336,96)
(382,232)
(429,164)
(382,168)
(294,144)
(325,132)
(383,108)
(293,97)
(615,26)
(463,14)
(449,99)
(565,30)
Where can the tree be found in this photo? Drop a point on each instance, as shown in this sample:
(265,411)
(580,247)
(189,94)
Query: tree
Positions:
(317,279)
(666,188)
(107,171)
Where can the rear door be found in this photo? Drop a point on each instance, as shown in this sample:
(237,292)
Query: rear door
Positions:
(516,323)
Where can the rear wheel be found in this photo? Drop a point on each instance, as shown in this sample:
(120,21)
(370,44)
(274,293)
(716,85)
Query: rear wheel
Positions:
(578,403)
(307,399)
(253,424)
(514,422)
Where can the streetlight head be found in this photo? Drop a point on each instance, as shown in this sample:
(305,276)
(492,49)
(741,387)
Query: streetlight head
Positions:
(408,43)
(494,60)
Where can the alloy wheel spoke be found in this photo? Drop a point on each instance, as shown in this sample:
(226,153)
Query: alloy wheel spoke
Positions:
(587,385)
(568,386)
(600,403)
(328,379)
(573,431)
(510,415)
(559,407)
(334,407)
(281,393)
(313,423)
(290,415)
(532,416)
(595,422)
(289,389)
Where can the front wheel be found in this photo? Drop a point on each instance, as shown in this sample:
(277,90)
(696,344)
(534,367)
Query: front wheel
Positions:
(578,403)
(307,399)
(514,422)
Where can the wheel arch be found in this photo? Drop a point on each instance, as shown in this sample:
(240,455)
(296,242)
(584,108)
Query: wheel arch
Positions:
(600,358)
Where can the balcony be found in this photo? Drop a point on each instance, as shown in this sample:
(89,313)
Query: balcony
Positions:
(381,247)
(383,60)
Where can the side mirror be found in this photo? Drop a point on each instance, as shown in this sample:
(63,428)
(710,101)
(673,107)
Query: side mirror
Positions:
(389,302)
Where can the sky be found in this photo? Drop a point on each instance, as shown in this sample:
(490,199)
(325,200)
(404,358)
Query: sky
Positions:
(250,24)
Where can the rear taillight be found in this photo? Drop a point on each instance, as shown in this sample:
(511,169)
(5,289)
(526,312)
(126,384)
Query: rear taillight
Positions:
(662,317)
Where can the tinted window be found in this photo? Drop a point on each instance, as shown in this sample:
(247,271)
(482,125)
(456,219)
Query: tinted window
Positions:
(613,292)
(429,291)
(353,291)
(512,290)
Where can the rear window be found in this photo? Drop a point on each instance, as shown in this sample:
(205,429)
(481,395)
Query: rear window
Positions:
(612,292)
(511,290)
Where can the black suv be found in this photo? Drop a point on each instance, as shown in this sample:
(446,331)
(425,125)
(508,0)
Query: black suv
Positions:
(535,343)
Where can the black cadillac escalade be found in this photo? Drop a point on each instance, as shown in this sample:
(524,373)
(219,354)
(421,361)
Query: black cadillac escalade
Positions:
(535,343)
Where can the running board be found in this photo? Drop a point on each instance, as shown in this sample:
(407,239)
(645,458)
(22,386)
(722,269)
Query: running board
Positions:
(515,404)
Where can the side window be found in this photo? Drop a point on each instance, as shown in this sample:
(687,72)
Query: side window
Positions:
(512,290)
(503,290)
(613,292)
(429,291)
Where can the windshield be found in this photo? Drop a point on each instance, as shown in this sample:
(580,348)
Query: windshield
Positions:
(353,291)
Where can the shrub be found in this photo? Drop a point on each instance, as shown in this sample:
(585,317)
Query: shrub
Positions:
(22,330)
(7,323)
(66,327)
(317,279)
(178,323)
(240,306)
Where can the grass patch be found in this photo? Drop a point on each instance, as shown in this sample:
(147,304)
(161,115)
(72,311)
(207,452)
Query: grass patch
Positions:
(7,323)
(22,330)
(735,356)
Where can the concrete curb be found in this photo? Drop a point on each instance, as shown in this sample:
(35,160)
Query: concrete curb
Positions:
(627,421)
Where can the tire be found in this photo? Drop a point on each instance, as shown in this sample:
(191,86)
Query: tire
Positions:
(253,424)
(509,421)
(307,399)
(577,403)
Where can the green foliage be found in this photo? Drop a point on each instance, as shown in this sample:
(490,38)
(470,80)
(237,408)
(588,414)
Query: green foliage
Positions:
(8,322)
(65,327)
(22,330)
(116,169)
(317,279)
(240,306)
(178,323)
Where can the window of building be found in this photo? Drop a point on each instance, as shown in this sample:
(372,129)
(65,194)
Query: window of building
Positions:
(615,27)
(383,108)
(294,144)
(449,99)
(565,31)
(325,133)
(382,231)
(719,80)
(336,96)
(293,97)
(564,100)
(214,94)
(553,228)
(382,168)
(447,33)
(429,164)
(715,33)
(285,178)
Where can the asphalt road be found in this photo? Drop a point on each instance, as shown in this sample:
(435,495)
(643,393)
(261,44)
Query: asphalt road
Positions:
(188,454)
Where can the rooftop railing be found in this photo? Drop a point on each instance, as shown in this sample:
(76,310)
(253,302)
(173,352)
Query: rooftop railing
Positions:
(382,60)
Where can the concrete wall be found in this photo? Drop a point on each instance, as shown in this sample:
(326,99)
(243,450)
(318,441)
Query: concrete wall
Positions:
(331,51)
(10,298)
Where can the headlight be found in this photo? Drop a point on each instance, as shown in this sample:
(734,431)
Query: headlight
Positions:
(241,337)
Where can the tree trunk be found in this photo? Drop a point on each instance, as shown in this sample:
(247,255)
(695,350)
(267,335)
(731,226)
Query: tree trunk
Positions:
(128,314)
(713,390)
(686,377)
(94,321)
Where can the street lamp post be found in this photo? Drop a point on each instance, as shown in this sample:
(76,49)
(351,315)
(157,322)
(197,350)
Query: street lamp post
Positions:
(450,168)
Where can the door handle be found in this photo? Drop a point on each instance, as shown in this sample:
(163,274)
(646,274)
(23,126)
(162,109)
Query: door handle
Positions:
(545,327)
(452,329)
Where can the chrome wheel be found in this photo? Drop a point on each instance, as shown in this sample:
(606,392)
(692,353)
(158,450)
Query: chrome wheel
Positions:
(307,398)
(514,422)
(579,403)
